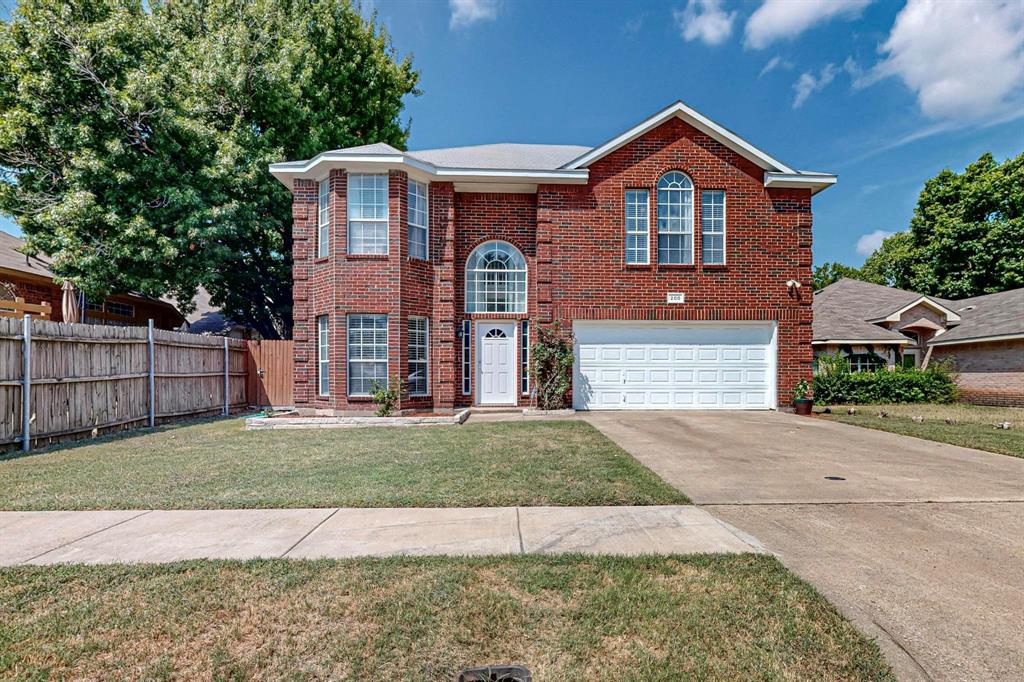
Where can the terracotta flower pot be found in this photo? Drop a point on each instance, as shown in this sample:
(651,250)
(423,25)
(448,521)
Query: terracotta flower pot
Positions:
(803,406)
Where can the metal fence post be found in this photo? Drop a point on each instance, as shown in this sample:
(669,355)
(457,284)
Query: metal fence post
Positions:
(152,375)
(225,376)
(26,381)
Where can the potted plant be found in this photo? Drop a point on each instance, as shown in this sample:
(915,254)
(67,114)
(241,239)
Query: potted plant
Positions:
(801,402)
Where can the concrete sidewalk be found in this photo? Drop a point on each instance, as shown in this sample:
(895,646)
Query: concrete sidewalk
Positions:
(160,536)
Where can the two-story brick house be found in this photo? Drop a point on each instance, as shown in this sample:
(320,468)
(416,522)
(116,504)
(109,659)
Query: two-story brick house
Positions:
(675,252)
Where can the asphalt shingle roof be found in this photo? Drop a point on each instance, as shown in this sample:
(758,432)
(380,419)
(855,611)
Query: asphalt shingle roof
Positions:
(989,315)
(503,156)
(842,311)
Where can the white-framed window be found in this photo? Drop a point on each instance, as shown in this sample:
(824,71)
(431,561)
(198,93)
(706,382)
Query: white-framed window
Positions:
(637,227)
(865,362)
(419,354)
(367,353)
(712,226)
(496,279)
(419,230)
(467,360)
(322,357)
(323,220)
(675,219)
(368,213)
(525,361)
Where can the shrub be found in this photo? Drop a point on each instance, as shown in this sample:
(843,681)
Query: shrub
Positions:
(551,368)
(385,396)
(835,384)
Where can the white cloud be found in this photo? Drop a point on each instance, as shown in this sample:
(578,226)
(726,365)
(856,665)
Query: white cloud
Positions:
(785,19)
(870,242)
(468,12)
(776,62)
(633,26)
(808,83)
(964,60)
(704,20)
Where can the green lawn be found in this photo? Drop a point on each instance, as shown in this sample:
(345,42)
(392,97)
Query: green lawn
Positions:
(217,464)
(565,617)
(973,427)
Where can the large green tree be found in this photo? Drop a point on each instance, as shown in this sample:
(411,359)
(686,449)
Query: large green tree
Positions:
(135,139)
(830,273)
(966,237)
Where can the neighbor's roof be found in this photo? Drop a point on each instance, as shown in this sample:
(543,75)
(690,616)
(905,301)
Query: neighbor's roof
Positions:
(842,311)
(537,163)
(206,318)
(12,258)
(991,315)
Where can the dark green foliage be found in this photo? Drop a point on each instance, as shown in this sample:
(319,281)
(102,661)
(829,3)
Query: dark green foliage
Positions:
(830,273)
(835,384)
(135,137)
(966,237)
(551,360)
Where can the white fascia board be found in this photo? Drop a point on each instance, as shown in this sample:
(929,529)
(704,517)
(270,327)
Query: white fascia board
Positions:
(698,121)
(814,182)
(319,166)
(924,300)
(979,339)
(859,342)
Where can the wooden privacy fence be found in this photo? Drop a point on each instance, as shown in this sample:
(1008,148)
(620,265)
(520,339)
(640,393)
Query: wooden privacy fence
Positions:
(87,378)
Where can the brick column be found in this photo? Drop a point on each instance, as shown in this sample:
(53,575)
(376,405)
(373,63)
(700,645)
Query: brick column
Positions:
(304,197)
(445,349)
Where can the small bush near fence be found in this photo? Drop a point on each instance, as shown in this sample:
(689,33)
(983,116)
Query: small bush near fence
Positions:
(835,384)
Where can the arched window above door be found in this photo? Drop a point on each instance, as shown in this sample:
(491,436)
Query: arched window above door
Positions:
(496,279)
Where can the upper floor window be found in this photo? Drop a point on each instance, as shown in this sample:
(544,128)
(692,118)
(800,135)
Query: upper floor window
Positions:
(712,226)
(637,227)
(418,226)
(675,219)
(323,220)
(496,279)
(367,213)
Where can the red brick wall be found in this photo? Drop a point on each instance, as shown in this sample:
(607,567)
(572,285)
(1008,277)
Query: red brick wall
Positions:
(573,240)
(768,241)
(989,373)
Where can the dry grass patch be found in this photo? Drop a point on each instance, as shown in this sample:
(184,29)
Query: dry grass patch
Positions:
(972,427)
(566,617)
(218,464)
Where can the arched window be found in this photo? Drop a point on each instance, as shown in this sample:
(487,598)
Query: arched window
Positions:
(675,219)
(496,279)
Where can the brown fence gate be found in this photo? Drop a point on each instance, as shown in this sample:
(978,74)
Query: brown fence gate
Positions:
(270,374)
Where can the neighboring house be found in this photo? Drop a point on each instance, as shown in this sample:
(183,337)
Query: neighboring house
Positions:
(875,325)
(30,278)
(673,252)
(210,320)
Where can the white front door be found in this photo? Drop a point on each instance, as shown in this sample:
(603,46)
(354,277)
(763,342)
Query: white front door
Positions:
(496,363)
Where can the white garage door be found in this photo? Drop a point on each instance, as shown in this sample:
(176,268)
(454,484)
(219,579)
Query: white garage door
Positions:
(634,365)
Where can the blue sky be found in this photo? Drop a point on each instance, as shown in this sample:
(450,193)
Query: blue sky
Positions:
(885,94)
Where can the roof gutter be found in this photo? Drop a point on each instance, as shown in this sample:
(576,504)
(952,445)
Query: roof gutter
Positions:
(815,182)
(853,342)
(979,339)
(318,167)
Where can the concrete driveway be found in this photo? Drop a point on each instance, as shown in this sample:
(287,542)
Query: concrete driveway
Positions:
(921,544)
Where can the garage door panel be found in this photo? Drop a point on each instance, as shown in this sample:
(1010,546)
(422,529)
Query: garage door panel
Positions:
(636,365)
